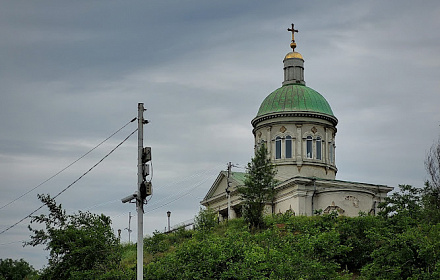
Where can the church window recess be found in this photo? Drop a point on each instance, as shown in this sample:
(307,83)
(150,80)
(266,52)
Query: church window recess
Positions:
(318,148)
(309,147)
(331,152)
(288,146)
(278,147)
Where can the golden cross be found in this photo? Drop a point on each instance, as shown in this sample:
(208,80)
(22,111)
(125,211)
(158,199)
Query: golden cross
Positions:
(293,30)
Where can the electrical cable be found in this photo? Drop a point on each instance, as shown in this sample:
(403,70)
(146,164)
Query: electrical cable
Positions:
(182,190)
(12,242)
(56,174)
(201,173)
(180,183)
(66,188)
(177,198)
(101,204)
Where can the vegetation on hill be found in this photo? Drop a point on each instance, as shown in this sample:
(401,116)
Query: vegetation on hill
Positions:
(395,245)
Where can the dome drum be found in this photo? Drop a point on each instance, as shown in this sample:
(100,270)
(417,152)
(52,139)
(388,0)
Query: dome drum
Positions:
(304,147)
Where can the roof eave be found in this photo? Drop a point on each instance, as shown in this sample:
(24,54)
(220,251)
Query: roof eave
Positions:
(312,114)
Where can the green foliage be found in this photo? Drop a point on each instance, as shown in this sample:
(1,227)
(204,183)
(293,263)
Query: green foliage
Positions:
(407,243)
(258,189)
(431,202)
(158,243)
(411,254)
(16,270)
(397,245)
(236,253)
(81,246)
(406,203)
(206,219)
(161,242)
(431,192)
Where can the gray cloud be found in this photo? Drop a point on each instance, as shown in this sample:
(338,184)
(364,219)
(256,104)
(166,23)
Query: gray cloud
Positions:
(73,72)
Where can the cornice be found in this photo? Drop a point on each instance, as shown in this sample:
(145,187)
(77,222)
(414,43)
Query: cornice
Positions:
(329,118)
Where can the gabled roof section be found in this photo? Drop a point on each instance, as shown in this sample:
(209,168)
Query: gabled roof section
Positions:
(237,179)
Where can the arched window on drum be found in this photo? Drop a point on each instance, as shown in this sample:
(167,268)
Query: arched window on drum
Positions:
(278,147)
(288,143)
(309,147)
(318,148)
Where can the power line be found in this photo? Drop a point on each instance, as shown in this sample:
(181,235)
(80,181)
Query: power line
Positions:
(12,242)
(206,172)
(185,181)
(56,174)
(66,188)
(101,204)
(177,198)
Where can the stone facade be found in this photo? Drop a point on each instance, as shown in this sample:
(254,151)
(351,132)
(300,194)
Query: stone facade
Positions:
(302,196)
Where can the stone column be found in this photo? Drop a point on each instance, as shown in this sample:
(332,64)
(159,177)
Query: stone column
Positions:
(326,159)
(269,142)
(299,145)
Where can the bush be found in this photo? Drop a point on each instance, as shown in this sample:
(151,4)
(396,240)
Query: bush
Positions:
(206,220)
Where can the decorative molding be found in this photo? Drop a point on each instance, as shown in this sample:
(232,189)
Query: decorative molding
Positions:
(332,208)
(329,118)
(353,199)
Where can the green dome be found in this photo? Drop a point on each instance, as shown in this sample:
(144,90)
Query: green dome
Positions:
(294,98)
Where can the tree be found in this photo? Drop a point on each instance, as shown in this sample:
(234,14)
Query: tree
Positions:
(431,192)
(16,270)
(405,203)
(258,189)
(206,219)
(432,164)
(81,246)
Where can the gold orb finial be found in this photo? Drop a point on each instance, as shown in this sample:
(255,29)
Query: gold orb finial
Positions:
(293,30)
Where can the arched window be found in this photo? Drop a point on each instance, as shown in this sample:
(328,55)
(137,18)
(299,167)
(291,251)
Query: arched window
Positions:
(318,148)
(278,147)
(288,146)
(309,147)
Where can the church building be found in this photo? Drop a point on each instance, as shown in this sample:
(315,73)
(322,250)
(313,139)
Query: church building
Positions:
(298,127)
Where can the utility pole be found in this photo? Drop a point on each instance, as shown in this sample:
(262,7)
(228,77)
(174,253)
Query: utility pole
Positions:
(139,200)
(144,189)
(129,227)
(228,188)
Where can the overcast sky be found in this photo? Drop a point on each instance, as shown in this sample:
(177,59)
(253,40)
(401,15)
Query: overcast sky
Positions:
(73,72)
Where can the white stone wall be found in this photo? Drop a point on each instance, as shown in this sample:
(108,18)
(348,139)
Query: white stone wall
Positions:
(299,164)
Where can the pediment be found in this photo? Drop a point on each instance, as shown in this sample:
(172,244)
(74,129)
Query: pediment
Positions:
(220,184)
